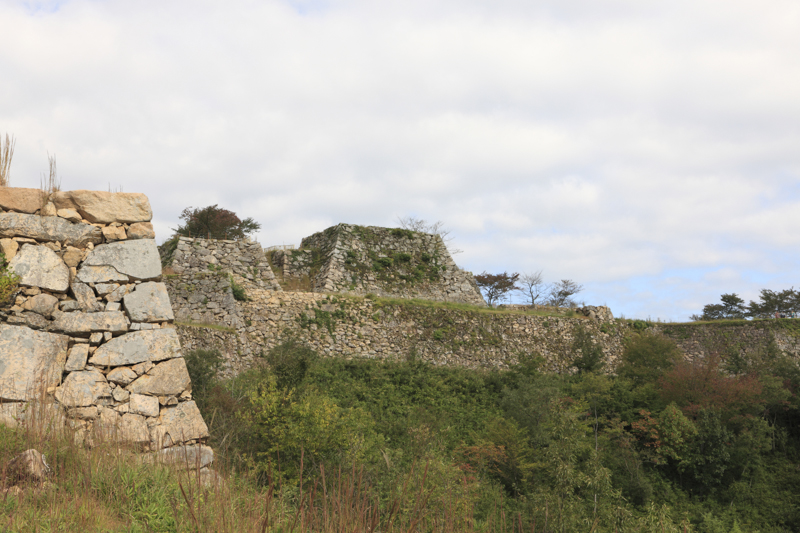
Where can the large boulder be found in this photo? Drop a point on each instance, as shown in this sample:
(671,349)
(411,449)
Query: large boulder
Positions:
(100,274)
(192,456)
(165,379)
(137,347)
(177,425)
(148,303)
(49,229)
(106,207)
(21,199)
(82,389)
(30,362)
(86,323)
(30,465)
(39,266)
(138,259)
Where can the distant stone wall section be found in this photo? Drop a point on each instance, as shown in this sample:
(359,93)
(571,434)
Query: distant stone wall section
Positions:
(243,258)
(346,326)
(748,339)
(89,334)
(389,262)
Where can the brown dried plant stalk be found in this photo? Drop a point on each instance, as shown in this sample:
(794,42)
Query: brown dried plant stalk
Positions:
(6,153)
(50,184)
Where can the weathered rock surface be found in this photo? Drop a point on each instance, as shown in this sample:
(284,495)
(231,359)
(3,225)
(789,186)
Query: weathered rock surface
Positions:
(9,247)
(11,414)
(85,323)
(192,456)
(77,357)
(85,297)
(29,362)
(82,389)
(115,233)
(137,347)
(148,303)
(178,424)
(121,375)
(138,259)
(28,319)
(99,274)
(141,230)
(133,429)
(70,214)
(21,199)
(44,304)
(48,229)
(30,465)
(165,379)
(41,267)
(106,207)
(143,405)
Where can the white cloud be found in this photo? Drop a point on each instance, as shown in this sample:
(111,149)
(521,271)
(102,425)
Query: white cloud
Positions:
(615,142)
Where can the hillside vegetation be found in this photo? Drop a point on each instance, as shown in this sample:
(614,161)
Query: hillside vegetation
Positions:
(306,443)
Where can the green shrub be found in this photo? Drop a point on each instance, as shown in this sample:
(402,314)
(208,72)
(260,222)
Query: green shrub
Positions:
(646,357)
(382,263)
(400,232)
(203,366)
(238,291)
(8,281)
(402,257)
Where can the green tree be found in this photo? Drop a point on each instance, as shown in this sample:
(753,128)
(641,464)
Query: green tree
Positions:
(496,286)
(214,222)
(646,357)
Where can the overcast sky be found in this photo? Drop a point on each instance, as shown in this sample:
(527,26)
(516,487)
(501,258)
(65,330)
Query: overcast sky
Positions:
(649,150)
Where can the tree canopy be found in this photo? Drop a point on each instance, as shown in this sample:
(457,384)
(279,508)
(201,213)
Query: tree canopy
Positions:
(214,222)
(496,286)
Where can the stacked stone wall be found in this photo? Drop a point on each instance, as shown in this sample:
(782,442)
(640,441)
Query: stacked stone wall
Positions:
(743,338)
(389,262)
(89,332)
(243,258)
(347,326)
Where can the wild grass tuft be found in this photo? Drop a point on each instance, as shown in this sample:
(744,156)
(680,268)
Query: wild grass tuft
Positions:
(6,154)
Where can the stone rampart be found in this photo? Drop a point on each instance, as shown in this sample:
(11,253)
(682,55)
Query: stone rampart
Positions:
(742,338)
(389,262)
(348,326)
(89,331)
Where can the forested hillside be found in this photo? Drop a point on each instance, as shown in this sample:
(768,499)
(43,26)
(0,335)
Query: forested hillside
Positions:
(709,446)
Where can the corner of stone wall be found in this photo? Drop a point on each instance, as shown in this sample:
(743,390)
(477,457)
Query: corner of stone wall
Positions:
(90,330)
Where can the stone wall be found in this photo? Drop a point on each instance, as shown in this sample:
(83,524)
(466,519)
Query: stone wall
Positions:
(741,338)
(243,258)
(349,326)
(389,262)
(89,332)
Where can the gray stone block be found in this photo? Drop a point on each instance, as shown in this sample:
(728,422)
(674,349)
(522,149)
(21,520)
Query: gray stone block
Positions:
(38,266)
(30,362)
(138,259)
(48,229)
(137,347)
(149,302)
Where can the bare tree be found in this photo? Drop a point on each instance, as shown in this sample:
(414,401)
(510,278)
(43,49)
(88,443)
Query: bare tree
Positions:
(532,285)
(560,293)
(436,228)
(6,153)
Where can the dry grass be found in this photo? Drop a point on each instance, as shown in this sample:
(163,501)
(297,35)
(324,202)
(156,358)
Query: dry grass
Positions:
(50,184)
(6,154)
(109,488)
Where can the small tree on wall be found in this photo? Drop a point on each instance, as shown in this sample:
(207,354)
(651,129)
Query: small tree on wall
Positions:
(496,286)
(561,293)
(214,222)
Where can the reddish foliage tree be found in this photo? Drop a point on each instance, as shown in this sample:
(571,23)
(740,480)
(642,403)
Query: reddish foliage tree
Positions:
(697,386)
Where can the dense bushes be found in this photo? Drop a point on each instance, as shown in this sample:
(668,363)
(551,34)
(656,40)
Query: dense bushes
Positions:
(664,442)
